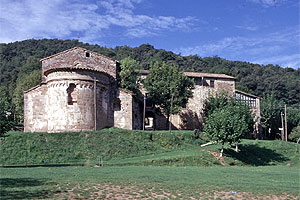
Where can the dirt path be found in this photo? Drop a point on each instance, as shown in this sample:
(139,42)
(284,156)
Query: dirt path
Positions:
(220,159)
(112,191)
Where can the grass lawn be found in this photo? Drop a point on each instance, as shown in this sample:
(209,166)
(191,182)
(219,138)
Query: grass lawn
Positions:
(123,147)
(167,166)
(141,182)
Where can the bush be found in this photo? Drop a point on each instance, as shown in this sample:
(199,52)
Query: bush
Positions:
(295,134)
(229,123)
(6,115)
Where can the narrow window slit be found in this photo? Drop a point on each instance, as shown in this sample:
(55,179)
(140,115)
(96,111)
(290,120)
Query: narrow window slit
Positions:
(72,94)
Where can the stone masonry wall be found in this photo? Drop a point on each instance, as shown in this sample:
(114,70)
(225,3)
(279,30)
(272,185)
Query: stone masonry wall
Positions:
(123,112)
(78,74)
(137,115)
(191,116)
(66,102)
(75,116)
(34,110)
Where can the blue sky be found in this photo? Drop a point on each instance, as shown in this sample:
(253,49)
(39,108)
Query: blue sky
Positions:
(257,31)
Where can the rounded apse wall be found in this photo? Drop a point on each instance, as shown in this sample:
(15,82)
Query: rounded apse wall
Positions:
(70,106)
(70,101)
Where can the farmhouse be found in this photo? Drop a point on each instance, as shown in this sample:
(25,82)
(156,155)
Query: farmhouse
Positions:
(80,91)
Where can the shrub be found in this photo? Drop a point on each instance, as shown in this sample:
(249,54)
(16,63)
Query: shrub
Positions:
(229,123)
(295,134)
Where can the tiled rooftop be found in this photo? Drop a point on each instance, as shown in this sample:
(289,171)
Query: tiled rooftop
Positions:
(195,74)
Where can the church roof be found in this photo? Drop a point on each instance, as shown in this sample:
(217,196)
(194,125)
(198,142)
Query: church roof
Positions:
(68,50)
(79,58)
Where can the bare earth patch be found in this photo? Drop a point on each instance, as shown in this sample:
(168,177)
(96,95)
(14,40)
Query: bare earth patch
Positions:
(111,191)
(220,159)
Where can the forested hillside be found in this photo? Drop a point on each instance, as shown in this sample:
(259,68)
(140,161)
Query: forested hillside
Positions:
(20,67)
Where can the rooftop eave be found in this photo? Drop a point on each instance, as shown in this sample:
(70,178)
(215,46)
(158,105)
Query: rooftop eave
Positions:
(35,87)
(68,50)
(245,93)
(195,74)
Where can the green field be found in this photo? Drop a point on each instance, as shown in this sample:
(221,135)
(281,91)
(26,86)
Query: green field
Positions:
(150,181)
(136,167)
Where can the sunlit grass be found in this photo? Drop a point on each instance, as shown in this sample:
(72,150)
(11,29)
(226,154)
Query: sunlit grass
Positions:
(170,166)
(145,180)
(116,147)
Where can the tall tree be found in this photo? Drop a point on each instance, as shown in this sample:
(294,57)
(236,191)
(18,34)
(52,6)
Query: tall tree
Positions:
(6,114)
(271,109)
(295,134)
(293,118)
(167,85)
(129,78)
(214,102)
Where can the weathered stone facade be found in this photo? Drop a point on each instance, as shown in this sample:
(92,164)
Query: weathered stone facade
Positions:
(79,91)
(123,110)
(206,84)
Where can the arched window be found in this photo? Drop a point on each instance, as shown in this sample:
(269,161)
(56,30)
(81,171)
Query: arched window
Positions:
(72,94)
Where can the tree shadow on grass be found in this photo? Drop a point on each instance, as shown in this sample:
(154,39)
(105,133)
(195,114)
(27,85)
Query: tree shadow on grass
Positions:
(256,156)
(23,188)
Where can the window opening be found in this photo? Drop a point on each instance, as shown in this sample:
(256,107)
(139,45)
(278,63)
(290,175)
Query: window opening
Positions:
(205,83)
(212,83)
(117,104)
(149,120)
(87,54)
(197,81)
(72,94)
(246,99)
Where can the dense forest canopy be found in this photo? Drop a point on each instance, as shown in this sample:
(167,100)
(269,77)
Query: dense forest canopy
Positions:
(19,59)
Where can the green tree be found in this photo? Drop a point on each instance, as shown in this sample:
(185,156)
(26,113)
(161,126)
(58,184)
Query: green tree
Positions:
(214,102)
(295,134)
(223,99)
(167,85)
(6,115)
(129,78)
(228,123)
(270,109)
(293,118)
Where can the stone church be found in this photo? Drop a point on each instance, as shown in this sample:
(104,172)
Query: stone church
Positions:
(79,91)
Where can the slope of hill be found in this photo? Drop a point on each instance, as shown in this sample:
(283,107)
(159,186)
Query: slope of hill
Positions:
(116,147)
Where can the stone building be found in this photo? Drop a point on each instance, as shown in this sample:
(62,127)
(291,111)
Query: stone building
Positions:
(79,91)
(190,117)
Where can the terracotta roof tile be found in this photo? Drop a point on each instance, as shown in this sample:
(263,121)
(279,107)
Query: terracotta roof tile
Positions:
(210,75)
(195,74)
(98,54)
